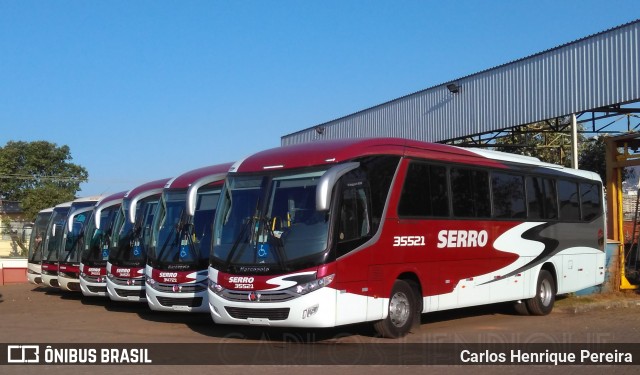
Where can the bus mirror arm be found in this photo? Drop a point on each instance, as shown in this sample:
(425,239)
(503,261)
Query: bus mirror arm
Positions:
(193,190)
(328,181)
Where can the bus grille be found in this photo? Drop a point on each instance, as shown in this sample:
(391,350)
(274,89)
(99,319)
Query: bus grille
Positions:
(189,302)
(271,314)
(185,288)
(131,293)
(242,296)
(91,279)
(97,289)
(139,281)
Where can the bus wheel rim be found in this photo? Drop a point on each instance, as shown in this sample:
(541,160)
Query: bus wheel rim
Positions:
(399,309)
(545,292)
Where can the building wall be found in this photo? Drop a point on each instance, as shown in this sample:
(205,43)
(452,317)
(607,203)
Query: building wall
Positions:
(13,223)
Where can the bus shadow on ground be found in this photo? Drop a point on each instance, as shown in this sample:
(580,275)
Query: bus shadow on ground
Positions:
(115,306)
(347,333)
(505,308)
(202,323)
(49,291)
(239,333)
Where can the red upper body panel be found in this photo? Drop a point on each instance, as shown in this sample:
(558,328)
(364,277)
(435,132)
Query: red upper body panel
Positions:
(184,180)
(336,151)
(111,198)
(157,184)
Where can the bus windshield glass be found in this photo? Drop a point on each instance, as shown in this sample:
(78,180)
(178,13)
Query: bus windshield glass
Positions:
(180,241)
(73,243)
(37,237)
(96,240)
(55,234)
(129,240)
(269,221)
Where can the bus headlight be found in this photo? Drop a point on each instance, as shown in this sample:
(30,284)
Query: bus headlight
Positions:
(215,287)
(150,281)
(305,288)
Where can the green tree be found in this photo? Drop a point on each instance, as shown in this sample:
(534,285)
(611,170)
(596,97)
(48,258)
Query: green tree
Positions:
(39,174)
(541,141)
(592,157)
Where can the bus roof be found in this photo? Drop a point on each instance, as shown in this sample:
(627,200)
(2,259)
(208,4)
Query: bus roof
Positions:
(141,192)
(63,205)
(46,210)
(108,201)
(111,200)
(184,180)
(152,185)
(90,198)
(336,151)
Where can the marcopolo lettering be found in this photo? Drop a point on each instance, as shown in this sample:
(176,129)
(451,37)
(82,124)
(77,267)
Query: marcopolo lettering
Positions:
(462,238)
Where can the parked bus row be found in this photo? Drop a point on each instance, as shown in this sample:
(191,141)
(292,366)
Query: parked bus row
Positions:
(335,232)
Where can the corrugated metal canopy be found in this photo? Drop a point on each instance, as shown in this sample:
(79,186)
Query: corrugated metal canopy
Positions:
(597,71)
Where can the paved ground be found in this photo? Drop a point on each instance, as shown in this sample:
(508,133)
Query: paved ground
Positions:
(31,314)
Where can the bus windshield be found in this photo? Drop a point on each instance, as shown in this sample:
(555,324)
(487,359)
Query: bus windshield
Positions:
(96,240)
(180,241)
(37,237)
(129,240)
(55,234)
(269,221)
(73,243)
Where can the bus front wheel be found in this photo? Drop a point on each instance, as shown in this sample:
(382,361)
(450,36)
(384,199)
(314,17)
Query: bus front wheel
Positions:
(542,302)
(402,311)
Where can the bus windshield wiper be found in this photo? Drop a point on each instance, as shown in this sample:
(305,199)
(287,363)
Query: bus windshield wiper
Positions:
(174,229)
(37,250)
(234,248)
(73,247)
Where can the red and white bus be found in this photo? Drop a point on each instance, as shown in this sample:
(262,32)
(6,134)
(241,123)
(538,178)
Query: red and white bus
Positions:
(382,230)
(178,258)
(72,242)
(97,235)
(36,244)
(54,241)
(129,242)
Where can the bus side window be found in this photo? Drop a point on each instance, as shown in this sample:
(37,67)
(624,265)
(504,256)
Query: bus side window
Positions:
(590,201)
(541,198)
(508,195)
(470,193)
(354,215)
(569,202)
(535,198)
(425,191)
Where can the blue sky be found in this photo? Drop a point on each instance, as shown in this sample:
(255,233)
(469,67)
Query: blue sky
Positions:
(141,90)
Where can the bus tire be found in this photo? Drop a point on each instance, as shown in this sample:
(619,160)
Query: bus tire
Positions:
(542,302)
(521,308)
(402,312)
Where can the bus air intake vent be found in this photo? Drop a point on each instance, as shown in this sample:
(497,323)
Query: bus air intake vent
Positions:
(271,314)
(189,302)
(131,293)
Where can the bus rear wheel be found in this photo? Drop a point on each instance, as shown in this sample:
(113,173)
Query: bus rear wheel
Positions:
(402,312)
(542,302)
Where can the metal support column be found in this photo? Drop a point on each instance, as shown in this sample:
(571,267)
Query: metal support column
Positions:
(574,141)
